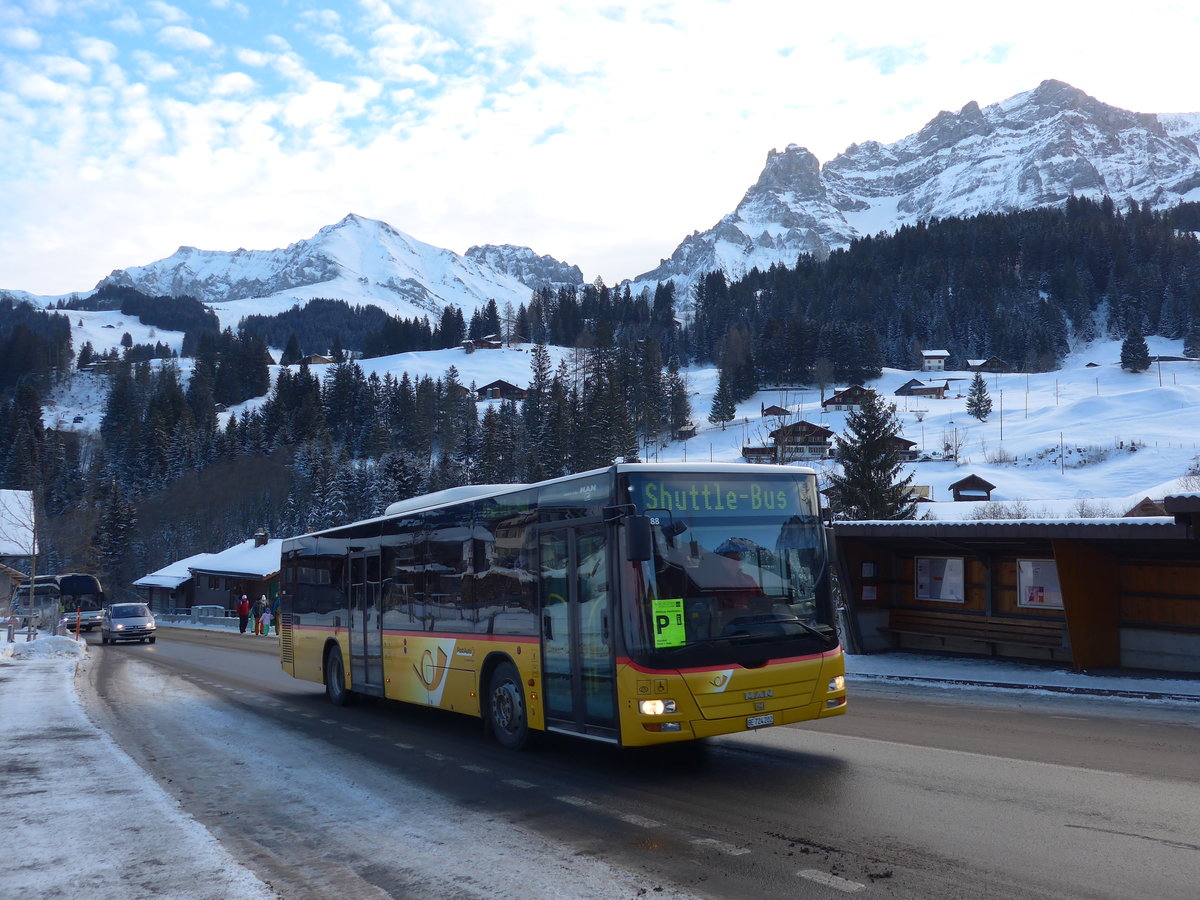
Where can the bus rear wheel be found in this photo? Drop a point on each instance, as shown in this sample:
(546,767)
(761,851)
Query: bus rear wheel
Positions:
(335,679)
(506,707)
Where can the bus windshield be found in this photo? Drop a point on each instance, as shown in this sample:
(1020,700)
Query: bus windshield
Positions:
(739,570)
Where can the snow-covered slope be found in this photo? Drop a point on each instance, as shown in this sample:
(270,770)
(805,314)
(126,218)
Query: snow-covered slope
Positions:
(1035,149)
(358,260)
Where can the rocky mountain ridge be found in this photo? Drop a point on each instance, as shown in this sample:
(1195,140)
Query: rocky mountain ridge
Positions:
(1034,149)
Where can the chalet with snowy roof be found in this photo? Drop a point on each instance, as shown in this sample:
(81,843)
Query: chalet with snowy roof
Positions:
(993,365)
(773,410)
(934,360)
(801,440)
(501,390)
(491,342)
(915,388)
(972,488)
(250,568)
(171,588)
(685,432)
(849,399)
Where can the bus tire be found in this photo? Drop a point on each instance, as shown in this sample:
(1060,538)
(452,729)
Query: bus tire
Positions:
(506,711)
(335,679)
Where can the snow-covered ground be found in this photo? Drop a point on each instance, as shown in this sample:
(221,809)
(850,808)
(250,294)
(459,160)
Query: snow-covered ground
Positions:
(54,809)
(82,818)
(1088,439)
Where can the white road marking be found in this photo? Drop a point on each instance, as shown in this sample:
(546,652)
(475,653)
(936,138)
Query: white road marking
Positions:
(481,770)
(721,846)
(576,801)
(833,881)
(639,821)
(518,783)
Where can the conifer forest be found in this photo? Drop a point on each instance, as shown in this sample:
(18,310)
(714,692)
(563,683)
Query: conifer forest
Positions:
(162,479)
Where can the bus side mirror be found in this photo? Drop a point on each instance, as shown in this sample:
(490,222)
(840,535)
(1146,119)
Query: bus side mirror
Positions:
(639,539)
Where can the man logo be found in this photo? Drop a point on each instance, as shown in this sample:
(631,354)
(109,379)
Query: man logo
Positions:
(758,695)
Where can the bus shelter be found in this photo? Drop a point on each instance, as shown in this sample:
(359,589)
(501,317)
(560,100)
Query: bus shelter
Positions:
(1092,593)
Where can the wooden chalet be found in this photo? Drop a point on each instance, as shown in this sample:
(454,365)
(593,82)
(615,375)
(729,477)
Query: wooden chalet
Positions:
(1146,507)
(764,454)
(491,342)
(993,365)
(848,399)
(500,390)
(801,440)
(774,410)
(905,448)
(915,388)
(972,488)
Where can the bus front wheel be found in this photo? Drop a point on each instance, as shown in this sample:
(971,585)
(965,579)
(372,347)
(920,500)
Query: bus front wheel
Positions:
(506,707)
(335,679)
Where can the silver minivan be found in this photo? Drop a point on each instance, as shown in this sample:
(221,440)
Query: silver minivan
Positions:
(127,622)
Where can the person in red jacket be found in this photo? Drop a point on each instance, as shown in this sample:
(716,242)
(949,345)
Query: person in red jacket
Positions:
(243,611)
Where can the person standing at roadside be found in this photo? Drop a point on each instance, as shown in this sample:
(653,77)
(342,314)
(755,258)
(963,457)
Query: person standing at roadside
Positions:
(256,614)
(265,616)
(243,612)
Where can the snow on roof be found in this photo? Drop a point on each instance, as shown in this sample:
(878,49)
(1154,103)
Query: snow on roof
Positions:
(935,352)
(16,523)
(175,574)
(243,559)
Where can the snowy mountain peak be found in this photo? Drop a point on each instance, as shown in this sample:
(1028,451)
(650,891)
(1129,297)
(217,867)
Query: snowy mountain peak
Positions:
(1036,148)
(356,259)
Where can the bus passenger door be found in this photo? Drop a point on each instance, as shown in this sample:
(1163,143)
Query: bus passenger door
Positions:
(366,623)
(577,661)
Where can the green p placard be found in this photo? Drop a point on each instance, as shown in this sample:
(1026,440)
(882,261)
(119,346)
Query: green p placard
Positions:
(668,623)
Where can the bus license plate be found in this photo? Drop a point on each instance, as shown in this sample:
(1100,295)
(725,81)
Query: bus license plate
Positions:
(760,721)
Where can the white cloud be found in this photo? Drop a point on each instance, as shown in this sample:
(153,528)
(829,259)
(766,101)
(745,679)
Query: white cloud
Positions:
(180,38)
(153,67)
(37,87)
(20,38)
(167,12)
(232,84)
(96,50)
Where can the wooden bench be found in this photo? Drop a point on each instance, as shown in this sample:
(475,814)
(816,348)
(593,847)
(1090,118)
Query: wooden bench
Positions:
(1036,634)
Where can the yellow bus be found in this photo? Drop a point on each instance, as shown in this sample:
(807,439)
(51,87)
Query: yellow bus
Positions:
(639,604)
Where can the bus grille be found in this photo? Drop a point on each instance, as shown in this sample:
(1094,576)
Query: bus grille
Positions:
(285,639)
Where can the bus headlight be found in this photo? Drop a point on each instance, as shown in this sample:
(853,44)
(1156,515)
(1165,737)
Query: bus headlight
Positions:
(837,684)
(656,707)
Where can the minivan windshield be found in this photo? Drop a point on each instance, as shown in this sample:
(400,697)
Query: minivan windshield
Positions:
(130,611)
(738,562)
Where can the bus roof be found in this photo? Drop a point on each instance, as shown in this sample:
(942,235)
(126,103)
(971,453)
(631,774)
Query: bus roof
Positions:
(467,492)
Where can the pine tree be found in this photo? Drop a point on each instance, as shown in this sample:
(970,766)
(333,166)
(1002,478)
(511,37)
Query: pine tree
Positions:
(291,353)
(723,408)
(1135,355)
(979,402)
(869,486)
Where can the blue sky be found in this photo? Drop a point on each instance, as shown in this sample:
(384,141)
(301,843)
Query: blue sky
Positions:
(599,134)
